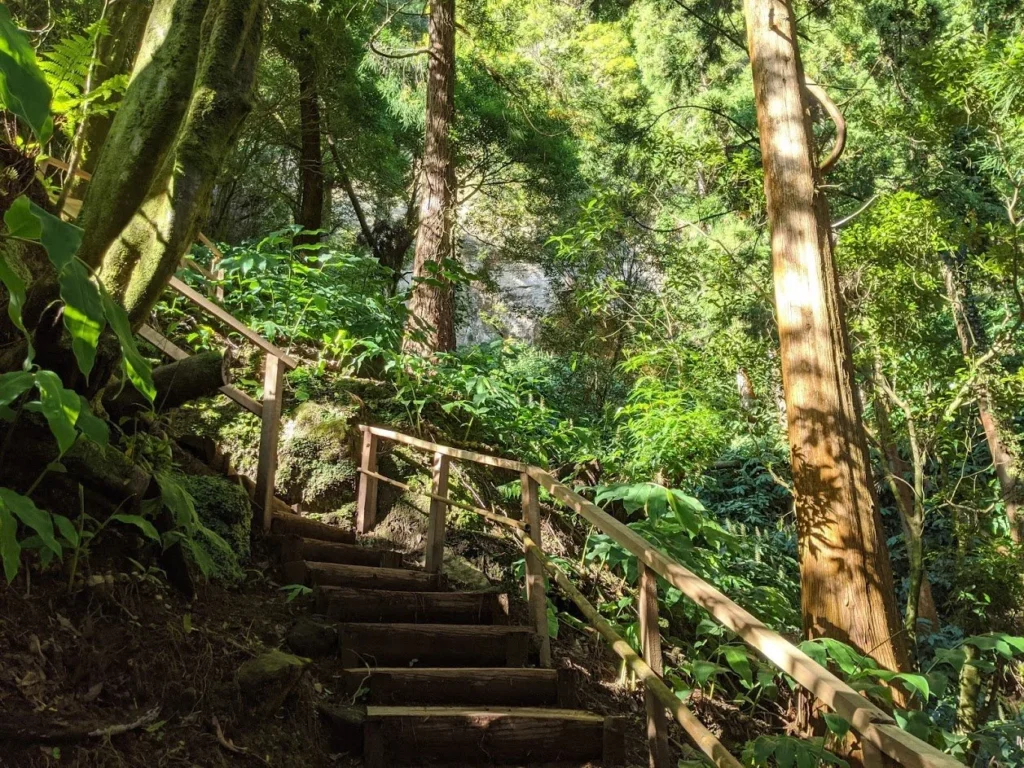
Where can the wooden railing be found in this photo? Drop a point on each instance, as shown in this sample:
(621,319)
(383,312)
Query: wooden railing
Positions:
(277,360)
(878,731)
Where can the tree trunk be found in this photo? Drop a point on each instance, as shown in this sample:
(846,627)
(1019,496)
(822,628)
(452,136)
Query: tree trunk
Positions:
(845,574)
(311,160)
(431,324)
(176,383)
(974,342)
(920,602)
(146,252)
(144,129)
(116,55)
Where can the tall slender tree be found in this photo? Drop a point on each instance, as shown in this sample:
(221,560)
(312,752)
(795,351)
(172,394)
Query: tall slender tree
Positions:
(311,159)
(431,324)
(846,578)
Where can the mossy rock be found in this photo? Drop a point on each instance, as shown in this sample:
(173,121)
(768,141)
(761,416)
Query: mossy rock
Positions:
(317,457)
(235,431)
(224,508)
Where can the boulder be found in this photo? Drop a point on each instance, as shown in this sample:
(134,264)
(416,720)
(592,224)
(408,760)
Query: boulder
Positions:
(318,456)
(310,637)
(266,680)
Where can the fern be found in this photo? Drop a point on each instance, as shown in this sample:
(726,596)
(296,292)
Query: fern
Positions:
(66,69)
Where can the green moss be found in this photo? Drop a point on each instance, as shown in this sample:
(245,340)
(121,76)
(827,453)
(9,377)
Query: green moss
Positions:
(224,508)
(315,460)
(237,432)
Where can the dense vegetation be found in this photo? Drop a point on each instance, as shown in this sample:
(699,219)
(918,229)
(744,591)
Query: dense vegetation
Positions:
(604,261)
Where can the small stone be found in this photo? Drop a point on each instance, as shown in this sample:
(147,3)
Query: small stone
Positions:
(266,680)
(309,637)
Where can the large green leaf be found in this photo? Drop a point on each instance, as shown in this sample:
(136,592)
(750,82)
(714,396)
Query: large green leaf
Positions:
(15,285)
(139,522)
(83,313)
(15,384)
(92,426)
(60,406)
(60,239)
(10,550)
(136,367)
(23,89)
(38,520)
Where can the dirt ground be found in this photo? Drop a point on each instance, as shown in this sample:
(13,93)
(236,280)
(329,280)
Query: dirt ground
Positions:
(123,671)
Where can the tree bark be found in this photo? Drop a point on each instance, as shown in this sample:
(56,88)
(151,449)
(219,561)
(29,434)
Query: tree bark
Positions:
(146,252)
(144,129)
(920,602)
(116,57)
(974,342)
(311,159)
(845,573)
(176,383)
(431,324)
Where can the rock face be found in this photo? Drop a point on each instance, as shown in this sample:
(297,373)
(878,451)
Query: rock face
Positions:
(318,456)
(266,681)
(224,508)
(310,637)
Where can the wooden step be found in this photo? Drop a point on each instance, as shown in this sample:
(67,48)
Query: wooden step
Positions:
(357,605)
(463,686)
(489,736)
(284,524)
(360,576)
(435,645)
(292,548)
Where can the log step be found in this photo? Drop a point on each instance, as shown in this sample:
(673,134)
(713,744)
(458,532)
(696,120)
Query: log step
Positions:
(360,576)
(285,524)
(375,605)
(464,686)
(293,548)
(489,736)
(434,645)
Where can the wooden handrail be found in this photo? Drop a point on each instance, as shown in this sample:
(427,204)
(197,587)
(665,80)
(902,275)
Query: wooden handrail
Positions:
(229,320)
(701,736)
(455,453)
(486,514)
(875,726)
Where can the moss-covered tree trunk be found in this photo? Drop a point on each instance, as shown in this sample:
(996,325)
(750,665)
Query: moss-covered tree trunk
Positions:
(147,252)
(117,54)
(143,132)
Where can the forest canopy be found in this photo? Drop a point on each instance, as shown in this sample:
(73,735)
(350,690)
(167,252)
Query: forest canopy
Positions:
(758,295)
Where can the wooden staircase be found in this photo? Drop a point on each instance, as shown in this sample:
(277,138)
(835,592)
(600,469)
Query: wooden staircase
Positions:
(444,676)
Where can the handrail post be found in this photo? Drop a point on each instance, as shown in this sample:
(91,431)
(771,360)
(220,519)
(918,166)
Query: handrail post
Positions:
(650,640)
(438,511)
(266,469)
(535,594)
(366,506)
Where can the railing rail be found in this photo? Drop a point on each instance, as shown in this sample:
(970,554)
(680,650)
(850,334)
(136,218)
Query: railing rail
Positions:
(878,730)
(277,360)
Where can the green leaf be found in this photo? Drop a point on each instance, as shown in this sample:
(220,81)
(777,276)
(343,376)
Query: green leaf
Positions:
(83,313)
(14,384)
(59,239)
(141,523)
(60,406)
(785,753)
(840,726)
(25,510)
(178,501)
(16,291)
(23,88)
(136,367)
(92,426)
(917,683)
(705,670)
(10,550)
(738,660)
(67,529)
